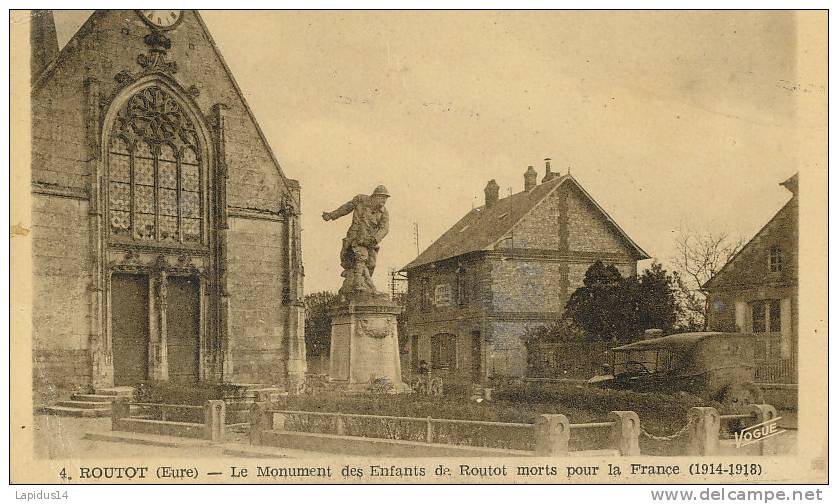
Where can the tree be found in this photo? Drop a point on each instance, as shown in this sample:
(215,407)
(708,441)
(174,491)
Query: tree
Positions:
(611,307)
(656,299)
(318,331)
(701,254)
(597,307)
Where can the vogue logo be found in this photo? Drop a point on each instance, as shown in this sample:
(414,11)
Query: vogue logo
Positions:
(758,432)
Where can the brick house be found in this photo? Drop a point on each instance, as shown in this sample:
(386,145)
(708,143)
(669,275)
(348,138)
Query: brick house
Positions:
(756,291)
(166,238)
(505,266)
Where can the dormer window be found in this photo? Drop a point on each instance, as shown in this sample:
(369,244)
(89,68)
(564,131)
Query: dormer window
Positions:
(775,259)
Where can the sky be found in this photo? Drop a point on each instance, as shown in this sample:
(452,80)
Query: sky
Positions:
(668,119)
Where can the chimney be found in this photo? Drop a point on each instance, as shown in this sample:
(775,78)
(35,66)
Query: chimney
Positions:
(530,179)
(43,41)
(548,174)
(491,192)
(791,184)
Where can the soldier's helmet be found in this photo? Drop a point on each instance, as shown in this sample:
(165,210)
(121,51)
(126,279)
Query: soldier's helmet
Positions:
(381,190)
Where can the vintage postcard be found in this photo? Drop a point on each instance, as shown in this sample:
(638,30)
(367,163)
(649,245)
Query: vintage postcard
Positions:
(557,247)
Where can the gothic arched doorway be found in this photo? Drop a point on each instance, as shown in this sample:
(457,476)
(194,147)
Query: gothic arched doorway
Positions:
(157,236)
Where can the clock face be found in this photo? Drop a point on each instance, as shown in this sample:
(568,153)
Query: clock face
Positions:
(164,19)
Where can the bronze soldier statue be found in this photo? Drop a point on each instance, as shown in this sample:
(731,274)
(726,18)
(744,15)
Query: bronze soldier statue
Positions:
(370,224)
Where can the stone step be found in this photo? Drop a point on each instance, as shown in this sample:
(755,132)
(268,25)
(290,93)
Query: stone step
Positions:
(116,391)
(106,406)
(147,439)
(265,389)
(255,451)
(74,412)
(250,387)
(93,398)
(160,427)
(252,390)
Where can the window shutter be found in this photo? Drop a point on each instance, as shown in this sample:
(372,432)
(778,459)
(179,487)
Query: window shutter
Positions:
(742,317)
(785,328)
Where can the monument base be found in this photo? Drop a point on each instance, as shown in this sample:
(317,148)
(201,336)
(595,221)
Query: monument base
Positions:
(364,352)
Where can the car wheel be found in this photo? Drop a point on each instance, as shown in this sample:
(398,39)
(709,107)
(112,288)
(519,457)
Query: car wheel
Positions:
(740,396)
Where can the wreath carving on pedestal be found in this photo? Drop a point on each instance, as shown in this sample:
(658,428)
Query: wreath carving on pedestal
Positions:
(364,328)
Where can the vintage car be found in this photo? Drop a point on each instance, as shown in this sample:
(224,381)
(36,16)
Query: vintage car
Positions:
(714,365)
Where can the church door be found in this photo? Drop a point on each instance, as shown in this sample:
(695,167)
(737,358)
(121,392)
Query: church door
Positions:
(129,322)
(183,328)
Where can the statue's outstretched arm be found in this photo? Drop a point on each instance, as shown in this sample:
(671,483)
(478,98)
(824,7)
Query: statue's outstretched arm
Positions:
(340,211)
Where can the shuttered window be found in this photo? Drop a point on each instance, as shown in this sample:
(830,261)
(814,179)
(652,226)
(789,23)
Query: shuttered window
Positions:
(444,351)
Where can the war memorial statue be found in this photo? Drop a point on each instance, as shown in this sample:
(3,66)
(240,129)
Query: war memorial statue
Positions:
(370,224)
(365,343)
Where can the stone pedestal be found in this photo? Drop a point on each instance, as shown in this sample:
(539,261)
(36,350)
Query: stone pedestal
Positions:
(365,345)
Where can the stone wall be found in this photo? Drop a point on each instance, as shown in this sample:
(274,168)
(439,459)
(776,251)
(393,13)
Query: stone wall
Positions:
(257,314)
(508,355)
(60,298)
(477,281)
(539,229)
(588,229)
(526,285)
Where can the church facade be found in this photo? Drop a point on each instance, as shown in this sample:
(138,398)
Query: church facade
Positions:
(166,237)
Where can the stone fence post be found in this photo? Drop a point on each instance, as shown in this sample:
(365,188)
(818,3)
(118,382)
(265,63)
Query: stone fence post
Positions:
(552,435)
(763,414)
(120,409)
(214,412)
(704,431)
(625,433)
(261,420)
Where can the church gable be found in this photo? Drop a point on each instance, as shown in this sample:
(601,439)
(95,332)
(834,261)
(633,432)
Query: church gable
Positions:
(110,50)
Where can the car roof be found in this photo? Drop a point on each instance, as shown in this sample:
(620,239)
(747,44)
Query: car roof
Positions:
(678,342)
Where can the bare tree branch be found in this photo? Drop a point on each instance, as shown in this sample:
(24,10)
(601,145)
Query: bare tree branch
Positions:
(701,254)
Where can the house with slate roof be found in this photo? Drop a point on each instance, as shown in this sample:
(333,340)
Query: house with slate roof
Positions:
(505,266)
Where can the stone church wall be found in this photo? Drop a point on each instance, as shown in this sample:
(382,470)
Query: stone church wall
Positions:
(257,315)
(60,308)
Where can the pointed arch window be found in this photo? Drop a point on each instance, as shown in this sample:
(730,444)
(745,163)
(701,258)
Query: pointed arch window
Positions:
(155,172)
